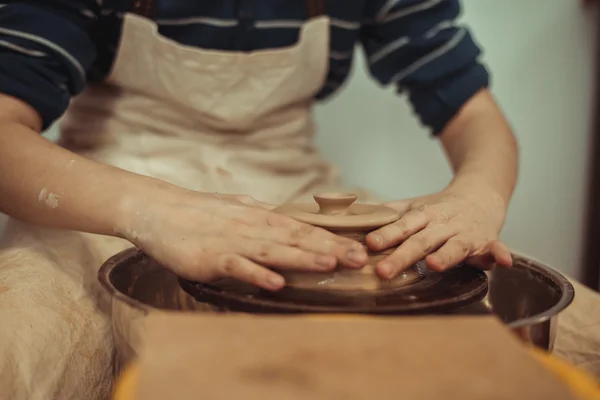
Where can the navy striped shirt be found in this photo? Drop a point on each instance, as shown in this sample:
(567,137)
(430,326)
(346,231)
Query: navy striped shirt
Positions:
(49,49)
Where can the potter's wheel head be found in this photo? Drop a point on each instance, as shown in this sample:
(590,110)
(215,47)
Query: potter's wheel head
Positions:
(431,293)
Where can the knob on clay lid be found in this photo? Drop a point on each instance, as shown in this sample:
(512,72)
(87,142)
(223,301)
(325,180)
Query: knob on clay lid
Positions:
(339,211)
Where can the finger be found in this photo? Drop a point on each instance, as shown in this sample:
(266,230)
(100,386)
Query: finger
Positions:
(455,250)
(306,237)
(501,253)
(482,261)
(237,267)
(414,249)
(279,256)
(494,253)
(350,253)
(397,232)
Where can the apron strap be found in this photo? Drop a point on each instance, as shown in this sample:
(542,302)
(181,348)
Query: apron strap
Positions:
(145,8)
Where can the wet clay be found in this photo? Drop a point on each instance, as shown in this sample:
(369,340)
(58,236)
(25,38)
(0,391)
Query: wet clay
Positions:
(339,213)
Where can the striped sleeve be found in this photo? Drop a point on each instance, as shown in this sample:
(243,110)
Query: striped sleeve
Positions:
(45,51)
(418,46)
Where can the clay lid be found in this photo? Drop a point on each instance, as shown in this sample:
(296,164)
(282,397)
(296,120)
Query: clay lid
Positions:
(338,211)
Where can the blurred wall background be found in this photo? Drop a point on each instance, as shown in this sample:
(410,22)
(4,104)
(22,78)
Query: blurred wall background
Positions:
(541,55)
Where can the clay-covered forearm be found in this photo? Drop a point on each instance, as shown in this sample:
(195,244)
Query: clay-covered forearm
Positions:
(482,149)
(44,184)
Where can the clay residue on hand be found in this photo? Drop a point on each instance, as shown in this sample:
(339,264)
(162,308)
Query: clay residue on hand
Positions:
(43,195)
(50,199)
(138,231)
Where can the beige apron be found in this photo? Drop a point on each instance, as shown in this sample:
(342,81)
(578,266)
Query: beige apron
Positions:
(205,120)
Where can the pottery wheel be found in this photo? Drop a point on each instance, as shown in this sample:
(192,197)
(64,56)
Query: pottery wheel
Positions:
(432,293)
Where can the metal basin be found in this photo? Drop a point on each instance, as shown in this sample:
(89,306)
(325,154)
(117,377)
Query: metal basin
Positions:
(527,298)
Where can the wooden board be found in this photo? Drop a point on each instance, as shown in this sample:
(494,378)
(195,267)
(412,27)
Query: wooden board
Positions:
(328,358)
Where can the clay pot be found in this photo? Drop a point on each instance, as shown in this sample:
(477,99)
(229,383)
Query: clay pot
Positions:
(339,213)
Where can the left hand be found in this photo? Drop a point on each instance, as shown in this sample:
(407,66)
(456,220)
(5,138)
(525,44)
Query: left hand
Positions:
(445,229)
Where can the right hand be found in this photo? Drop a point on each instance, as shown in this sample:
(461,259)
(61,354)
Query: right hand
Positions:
(205,237)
